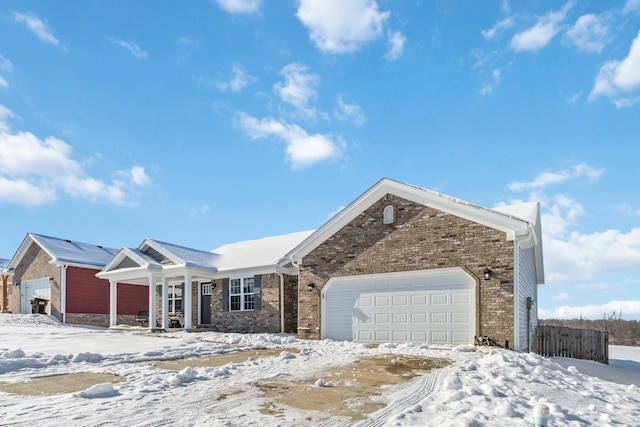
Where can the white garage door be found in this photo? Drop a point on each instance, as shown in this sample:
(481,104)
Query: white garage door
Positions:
(36,288)
(431,306)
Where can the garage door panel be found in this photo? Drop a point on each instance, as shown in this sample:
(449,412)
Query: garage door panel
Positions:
(420,299)
(460,318)
(439,299)
(439,337)
(439,318)
(460,298)
(400,318)
(382,301)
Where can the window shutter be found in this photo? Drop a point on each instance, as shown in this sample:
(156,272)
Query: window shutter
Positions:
(225,294)
(256,290)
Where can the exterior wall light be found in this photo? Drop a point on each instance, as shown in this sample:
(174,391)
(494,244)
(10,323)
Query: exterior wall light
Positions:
(311,286)
(487,273)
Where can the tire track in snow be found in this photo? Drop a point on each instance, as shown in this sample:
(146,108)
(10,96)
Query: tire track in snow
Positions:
(423,388)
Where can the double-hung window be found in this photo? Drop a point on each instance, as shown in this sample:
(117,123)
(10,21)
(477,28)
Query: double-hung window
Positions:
(241,294)
(175,298)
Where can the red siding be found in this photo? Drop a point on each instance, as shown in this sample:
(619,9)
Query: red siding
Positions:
(88,294)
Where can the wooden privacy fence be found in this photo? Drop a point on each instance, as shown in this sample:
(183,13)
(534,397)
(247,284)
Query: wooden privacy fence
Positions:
(577,343)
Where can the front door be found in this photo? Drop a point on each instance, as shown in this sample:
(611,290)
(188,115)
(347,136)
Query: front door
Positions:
(205,304)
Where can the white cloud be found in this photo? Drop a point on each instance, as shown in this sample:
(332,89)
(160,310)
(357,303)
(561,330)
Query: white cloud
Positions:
(548,178)
(631,6)
(133,48)
(395,45)
(303,149)
(499,27)
(561,296)
(338,26)
(202,210)
(5,65)
(238,81)
(349,112)
(489,85)
(239,6)
(590,33)
(630,307)
(542,32)
(37,27)
(619,76)
(33,170)
(298,88)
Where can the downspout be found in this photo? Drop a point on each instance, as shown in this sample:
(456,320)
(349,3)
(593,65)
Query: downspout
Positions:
(63,293)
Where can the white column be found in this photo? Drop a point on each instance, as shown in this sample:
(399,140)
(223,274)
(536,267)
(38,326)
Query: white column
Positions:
(187,301)
(152,303)
(113,302)
(165,303)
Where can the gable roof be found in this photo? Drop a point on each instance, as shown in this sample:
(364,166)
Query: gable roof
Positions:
(65,252)
(179,255)
(518,222)
(263,252)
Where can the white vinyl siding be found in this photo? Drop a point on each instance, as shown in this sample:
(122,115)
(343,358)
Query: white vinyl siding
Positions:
(526,288)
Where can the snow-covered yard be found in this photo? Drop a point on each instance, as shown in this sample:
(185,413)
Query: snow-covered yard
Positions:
(481,386)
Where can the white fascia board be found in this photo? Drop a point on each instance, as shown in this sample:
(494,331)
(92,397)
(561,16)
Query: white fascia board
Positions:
(510,225)
(250,271)
(127,275)
(22,250)
(62,263)
(161,249)
(170,271)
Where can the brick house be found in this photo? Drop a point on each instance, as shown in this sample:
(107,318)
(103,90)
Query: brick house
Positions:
(58,277)
(240,287)
(402,263)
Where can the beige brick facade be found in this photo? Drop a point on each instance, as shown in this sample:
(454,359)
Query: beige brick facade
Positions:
(35,265)
(421,238)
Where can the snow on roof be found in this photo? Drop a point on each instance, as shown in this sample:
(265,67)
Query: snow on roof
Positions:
(259,252)
(68,251)
(181,254)
(527,211)
(3,263)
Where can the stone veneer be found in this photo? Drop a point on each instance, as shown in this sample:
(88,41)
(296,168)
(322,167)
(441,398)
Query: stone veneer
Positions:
(421,238)
(35,265)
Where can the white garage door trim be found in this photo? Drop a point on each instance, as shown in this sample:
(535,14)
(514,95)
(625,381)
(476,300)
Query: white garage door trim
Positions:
(35,288)
(432,306)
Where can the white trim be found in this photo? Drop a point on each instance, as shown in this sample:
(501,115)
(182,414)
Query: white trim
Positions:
(508,224)
(242,294)
(63,293)
(516,296)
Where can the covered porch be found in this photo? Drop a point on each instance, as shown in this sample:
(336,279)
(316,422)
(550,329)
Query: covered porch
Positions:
(156,266)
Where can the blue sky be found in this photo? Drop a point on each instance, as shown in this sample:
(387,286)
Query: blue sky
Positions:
(203,123)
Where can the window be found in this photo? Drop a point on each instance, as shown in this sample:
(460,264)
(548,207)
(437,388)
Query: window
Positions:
(241,294)
(175,298)
(389,214)
(206,288)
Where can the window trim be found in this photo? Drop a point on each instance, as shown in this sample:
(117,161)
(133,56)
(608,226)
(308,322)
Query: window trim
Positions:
(171,297)
(245,304)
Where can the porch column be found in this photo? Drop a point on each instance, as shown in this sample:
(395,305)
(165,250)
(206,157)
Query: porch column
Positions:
(187,301)
(113,302)
(152,303)
(165,303)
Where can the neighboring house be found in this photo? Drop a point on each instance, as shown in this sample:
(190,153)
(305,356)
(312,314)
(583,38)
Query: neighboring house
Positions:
(4,276)
(58,277)
(402,263)
(240,287)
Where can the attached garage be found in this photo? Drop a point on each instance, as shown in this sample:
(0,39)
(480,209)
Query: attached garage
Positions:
(429,306)
(35,289)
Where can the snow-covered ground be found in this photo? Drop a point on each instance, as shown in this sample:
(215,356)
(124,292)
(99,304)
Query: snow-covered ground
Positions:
(482,387)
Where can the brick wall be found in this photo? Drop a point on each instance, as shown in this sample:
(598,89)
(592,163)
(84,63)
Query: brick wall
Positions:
(421,238)
(35,265)
(265,320)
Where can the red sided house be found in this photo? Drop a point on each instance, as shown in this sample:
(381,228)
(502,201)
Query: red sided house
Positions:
(58,277)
